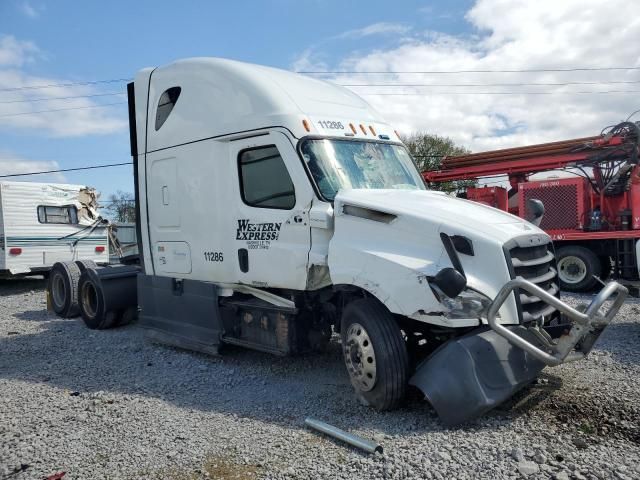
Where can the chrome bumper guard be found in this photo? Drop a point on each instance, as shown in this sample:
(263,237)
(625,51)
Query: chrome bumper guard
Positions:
(587,325)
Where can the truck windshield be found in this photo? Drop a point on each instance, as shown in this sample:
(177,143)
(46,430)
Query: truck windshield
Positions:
(337,164)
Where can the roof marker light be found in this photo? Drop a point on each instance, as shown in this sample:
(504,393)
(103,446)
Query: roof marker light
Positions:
(353,129)
(373,132)
(364,130)
(15,251)
(306,126)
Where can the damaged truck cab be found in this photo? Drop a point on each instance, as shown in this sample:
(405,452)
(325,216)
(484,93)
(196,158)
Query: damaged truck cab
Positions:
(276,209)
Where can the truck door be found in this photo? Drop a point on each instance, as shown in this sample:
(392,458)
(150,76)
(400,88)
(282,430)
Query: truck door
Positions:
(270,227)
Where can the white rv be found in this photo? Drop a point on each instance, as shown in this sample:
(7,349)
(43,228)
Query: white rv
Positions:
(274,208)
(45,223)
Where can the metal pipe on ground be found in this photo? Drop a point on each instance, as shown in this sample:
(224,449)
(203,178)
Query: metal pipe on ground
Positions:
(354,440)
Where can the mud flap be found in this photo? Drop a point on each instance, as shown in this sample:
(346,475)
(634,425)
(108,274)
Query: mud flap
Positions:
(470,375)
(180,313)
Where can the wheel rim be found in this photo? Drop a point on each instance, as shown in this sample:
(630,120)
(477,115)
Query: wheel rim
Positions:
(58,291)
(360,357)
(572,269)
(89,300)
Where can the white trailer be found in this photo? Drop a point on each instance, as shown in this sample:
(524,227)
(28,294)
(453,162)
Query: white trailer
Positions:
(45,223)
(274,209)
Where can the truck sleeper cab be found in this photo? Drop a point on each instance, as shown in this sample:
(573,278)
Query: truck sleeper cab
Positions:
(275,209)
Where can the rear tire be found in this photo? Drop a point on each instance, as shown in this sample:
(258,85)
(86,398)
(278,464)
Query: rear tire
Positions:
(577,267)
(84,264)
(92,303)
(63,289)
(375,354)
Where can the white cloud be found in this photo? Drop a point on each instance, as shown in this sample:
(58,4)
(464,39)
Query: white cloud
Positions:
(380,28)
(11,164)
(309,61)
(508,35)
(15,53)
(74,116)
(29,10)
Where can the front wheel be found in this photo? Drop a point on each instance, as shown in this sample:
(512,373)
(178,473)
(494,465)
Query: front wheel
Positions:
(375,354)
(577,267)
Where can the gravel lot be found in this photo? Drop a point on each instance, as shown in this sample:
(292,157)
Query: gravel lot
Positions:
(109,404)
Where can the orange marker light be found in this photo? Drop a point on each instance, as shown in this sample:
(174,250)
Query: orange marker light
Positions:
(364,130)
(306,126)
(373,132)
(353,129)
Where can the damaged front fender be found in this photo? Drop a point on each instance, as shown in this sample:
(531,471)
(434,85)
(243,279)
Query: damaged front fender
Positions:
(472,374)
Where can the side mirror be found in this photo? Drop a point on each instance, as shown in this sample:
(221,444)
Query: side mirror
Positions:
(535,211)
(450,281)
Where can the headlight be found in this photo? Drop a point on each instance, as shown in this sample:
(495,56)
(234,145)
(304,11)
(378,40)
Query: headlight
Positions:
(468,304)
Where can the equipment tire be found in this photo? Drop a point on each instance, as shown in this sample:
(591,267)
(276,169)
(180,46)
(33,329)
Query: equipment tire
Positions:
(63,289)
(92,303)
(577,267)
(368,327)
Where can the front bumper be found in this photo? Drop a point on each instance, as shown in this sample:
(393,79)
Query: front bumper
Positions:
(574,344)
(472,374)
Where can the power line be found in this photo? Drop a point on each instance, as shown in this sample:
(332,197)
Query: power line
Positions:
(561,84)
(52,85)
(67,170)
(64,98)
(497,93)
(62,109)
(429,72)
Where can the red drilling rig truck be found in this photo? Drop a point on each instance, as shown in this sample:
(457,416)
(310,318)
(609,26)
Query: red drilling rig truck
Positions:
(593,215)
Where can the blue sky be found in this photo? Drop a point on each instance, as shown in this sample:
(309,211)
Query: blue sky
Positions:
(68,41)
(83,40)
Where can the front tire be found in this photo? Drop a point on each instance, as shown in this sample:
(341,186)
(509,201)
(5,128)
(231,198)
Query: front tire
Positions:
(375,354)
(577,267)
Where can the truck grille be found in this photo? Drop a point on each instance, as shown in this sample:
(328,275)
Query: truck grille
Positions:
(538,265)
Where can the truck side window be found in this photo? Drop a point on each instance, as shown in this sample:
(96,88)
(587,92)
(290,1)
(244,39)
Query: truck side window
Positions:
(264,179)
(65,215)
(166,103)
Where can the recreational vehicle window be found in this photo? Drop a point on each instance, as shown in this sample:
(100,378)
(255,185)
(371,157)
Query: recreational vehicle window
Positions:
(264,179)
(67,214)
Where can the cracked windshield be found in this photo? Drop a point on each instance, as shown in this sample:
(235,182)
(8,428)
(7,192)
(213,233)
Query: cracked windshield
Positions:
(338,164)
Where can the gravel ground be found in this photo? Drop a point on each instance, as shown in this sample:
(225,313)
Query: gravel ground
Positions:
(109,404)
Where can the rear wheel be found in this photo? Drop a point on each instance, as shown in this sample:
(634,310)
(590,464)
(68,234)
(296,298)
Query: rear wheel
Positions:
(92,304)
(63,288)
(375,354)
(577,267)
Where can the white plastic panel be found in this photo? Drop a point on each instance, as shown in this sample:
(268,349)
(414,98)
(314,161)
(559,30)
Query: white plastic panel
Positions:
(172,257)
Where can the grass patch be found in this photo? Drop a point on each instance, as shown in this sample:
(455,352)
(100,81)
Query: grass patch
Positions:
(587,428)
(222,468)
(214,467)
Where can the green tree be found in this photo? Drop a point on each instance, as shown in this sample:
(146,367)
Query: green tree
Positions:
(121,207)
(429,150)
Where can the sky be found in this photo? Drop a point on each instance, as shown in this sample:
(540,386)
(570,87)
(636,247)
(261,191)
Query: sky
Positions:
(66,42)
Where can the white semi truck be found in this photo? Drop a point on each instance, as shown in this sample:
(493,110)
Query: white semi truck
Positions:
(275,209)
